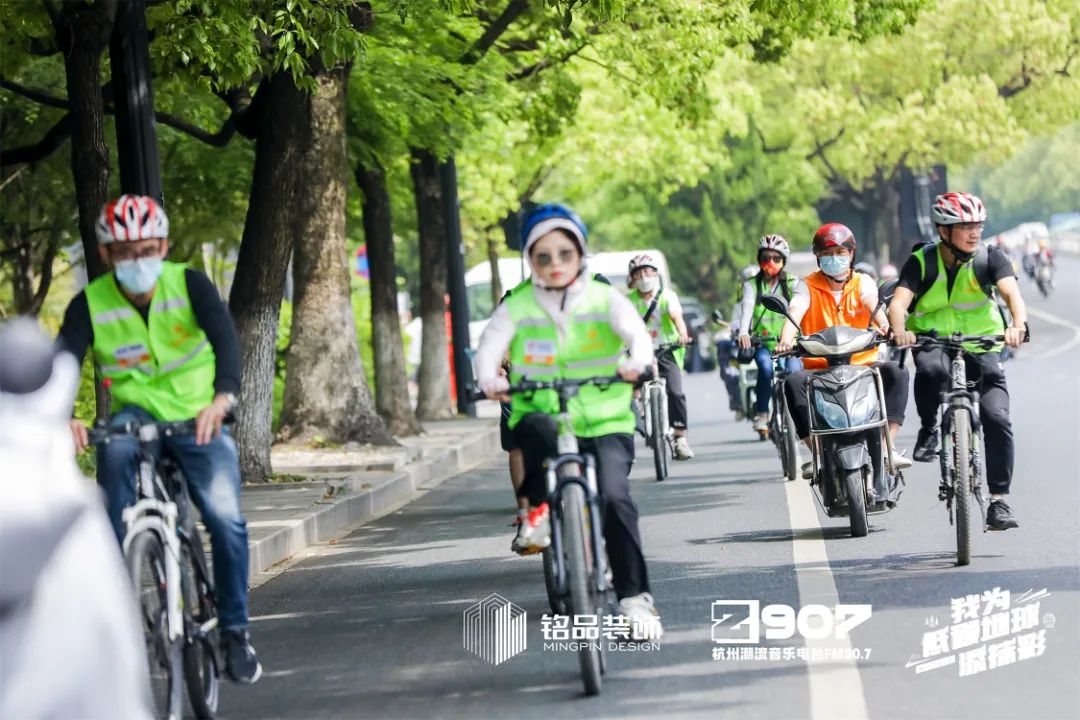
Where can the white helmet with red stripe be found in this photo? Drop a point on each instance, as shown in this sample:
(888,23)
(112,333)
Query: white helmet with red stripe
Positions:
(776,243)
(954,208)
(130,218)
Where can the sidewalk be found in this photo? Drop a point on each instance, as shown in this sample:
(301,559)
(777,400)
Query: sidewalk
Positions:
(323,492)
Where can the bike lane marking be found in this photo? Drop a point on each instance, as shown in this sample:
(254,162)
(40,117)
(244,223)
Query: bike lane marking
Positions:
(1062,322)
(836,690)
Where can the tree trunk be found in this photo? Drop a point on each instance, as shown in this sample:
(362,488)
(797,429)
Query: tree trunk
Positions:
(391,380)
(883,222)
(434,375)
(493,260)
(83,31)
(282,138)
(326,391)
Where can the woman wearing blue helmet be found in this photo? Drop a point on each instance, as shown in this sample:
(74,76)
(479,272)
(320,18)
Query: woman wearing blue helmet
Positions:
(560,317)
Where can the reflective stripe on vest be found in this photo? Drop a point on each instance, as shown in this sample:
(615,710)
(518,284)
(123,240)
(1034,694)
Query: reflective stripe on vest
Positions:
(590,348)
(164,364)
(825,312)
(967,309)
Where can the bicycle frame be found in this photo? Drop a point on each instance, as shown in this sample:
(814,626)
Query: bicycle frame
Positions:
(960,397)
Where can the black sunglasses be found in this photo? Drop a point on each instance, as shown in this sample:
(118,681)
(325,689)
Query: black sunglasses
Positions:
(543,259)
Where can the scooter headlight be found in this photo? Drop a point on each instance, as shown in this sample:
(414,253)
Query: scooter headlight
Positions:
(830,412)
(865,409)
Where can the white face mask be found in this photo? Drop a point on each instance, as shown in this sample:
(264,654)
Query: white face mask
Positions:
(647,284)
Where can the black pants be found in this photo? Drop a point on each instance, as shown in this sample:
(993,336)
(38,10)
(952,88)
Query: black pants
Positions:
(894,382)
(676,400)
(933,376)
(724,354)
(537,435)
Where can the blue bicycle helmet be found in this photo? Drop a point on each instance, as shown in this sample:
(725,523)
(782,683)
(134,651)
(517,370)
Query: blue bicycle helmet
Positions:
(542,219)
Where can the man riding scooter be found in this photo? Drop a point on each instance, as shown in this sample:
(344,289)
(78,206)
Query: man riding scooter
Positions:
(836,295)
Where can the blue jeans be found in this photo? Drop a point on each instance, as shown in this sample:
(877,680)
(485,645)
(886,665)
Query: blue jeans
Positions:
(764,361)
(213,478)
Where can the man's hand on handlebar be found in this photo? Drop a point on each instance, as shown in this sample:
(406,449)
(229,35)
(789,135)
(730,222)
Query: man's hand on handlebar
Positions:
(80,434)
(630,375)
(745,342)
(783,347)
(209,420)
(1014,336)
(903,338)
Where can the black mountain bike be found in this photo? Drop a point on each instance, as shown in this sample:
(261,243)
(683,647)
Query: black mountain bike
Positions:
(781,426)
(961,439)
(167,563)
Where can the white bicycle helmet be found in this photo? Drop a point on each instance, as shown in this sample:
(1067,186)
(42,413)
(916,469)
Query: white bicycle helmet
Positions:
(130,218)
(776,243)
(954,208)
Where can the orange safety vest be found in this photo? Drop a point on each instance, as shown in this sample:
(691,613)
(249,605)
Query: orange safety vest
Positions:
(824,312)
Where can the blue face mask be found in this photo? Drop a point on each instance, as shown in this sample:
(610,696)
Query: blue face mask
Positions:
(835,266)
(139,276)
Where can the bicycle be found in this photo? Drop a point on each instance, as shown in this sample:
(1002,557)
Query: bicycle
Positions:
(781,430)
(961,438)
(165,557)
(653,409)
(576,571)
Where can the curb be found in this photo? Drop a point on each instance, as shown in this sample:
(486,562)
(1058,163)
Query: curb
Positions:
(361,498)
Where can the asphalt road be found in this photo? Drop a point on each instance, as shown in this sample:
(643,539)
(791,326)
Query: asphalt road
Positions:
(371,626)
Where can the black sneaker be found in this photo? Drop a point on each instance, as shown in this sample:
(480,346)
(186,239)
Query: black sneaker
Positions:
(926,447)
(999,516)
(241,664)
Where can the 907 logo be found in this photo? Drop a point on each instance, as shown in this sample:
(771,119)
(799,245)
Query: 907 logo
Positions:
(739,622)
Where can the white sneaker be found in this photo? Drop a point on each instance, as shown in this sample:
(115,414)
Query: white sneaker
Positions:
(534,534)
(644,619)
(761,422)
(808,470)
(682,449)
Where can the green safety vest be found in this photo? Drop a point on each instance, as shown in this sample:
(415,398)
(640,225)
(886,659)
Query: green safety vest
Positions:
(660,325)
(968,309)
(591,348)
(765,325)
(164,365)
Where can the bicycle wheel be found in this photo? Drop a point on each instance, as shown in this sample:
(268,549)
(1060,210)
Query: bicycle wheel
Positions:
(856,492)
(200,655)
(579,566)
(961,441)
(556,602)
(146,563)
(791,442)
(659,445)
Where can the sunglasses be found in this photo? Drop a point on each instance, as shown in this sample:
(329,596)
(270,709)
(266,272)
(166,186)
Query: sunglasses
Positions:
(770,257)
(565,256)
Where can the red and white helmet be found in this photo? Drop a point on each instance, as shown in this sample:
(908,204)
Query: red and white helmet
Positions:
(954,208)
(834,235)
(637,262)
(776,243)
(129,218)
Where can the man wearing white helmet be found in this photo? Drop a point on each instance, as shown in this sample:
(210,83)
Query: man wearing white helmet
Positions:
(660,309)
(161,335)
(948,287)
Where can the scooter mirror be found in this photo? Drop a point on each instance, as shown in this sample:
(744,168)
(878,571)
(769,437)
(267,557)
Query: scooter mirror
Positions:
(774,303)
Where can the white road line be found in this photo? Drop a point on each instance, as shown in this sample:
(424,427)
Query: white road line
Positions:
(836,691)
(1055,320)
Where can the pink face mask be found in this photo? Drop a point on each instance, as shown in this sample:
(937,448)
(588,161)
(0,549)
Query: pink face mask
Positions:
(771,267)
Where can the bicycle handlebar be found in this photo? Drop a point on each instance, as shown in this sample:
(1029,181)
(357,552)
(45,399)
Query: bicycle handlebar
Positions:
(102,434)
(558,385)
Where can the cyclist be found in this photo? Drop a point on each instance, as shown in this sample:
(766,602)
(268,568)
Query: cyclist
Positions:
(564,322)
(660,309)
(836,295)
(949,287)
(161,334)
(757,322)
